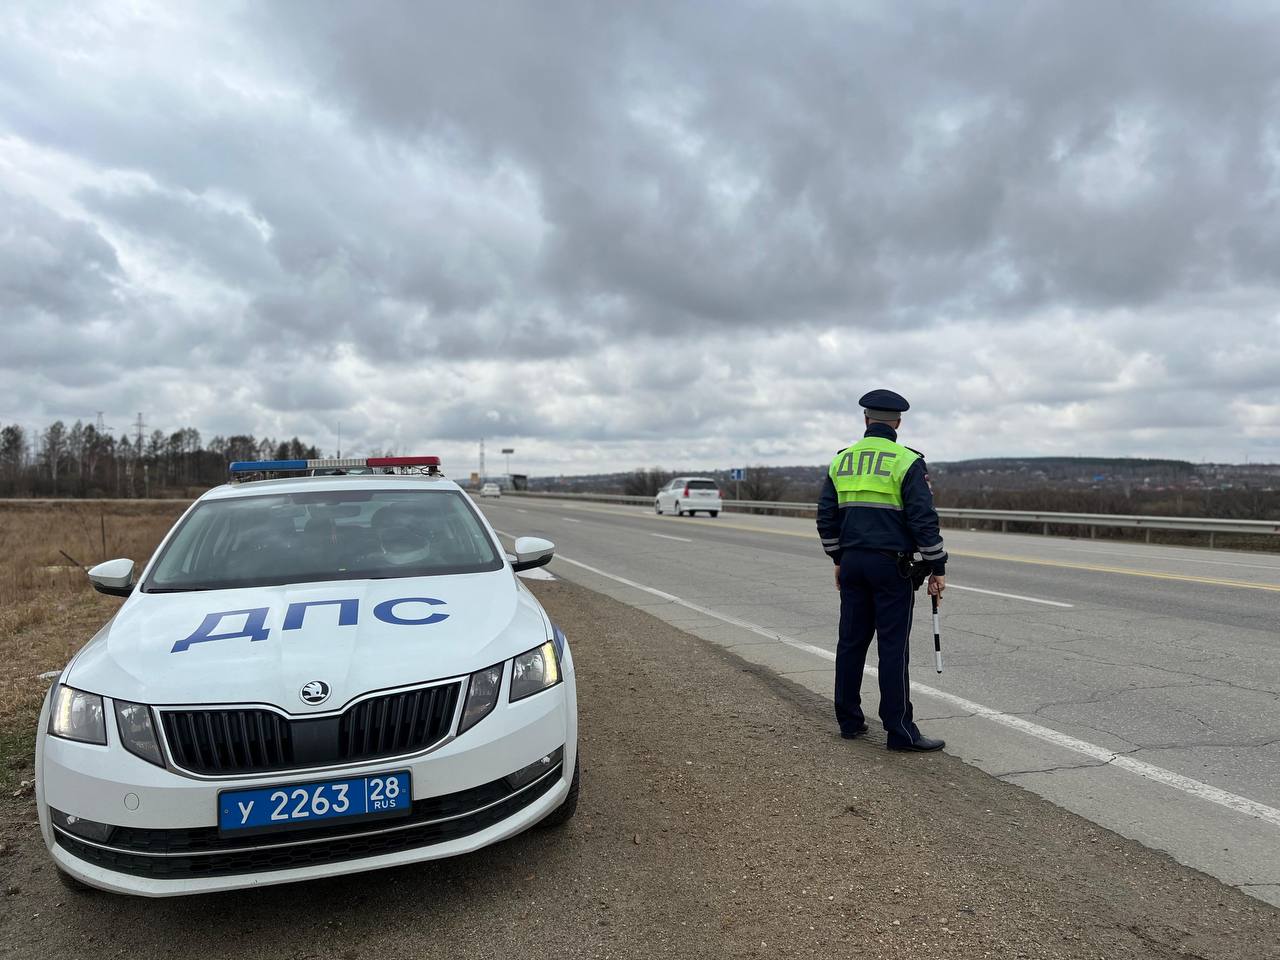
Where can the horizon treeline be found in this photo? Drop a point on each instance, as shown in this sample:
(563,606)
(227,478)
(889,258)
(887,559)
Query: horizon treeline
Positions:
(81,461)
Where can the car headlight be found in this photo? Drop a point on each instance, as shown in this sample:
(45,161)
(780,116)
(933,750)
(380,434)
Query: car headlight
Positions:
(76,715)
(482,695)
(534,671)
(137,733)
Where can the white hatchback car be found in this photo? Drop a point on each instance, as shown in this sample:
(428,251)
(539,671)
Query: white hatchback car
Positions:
(313,676)
(490,490)
(689,495)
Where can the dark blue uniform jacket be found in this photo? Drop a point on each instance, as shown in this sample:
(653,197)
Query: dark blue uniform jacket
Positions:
(913,528)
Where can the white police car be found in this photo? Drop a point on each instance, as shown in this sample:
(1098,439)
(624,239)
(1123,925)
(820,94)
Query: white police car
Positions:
(313,676)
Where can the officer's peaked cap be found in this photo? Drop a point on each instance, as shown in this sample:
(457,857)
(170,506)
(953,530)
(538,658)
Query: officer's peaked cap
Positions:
(883,404)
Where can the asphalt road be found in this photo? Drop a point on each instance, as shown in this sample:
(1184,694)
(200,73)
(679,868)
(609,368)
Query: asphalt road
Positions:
(1138,686)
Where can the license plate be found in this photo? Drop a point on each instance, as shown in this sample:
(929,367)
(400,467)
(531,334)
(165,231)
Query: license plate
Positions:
(305,804)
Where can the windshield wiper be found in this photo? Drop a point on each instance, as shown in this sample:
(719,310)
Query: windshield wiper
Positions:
(178,589)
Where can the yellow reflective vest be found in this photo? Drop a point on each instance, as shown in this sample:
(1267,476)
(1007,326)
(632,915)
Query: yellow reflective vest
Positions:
(869,473)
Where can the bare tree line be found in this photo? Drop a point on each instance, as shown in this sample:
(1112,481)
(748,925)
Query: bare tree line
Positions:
(81,461)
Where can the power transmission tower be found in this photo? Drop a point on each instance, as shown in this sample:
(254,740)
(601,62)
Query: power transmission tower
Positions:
(102,431)
(138,426)
(482,461)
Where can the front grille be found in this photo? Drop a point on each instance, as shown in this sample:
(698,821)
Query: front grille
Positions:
(228,741)
(396,723)
(239,741)
(181,854)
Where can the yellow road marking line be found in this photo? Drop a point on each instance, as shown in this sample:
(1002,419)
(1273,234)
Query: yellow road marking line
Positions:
(1067,564)
(1126,571)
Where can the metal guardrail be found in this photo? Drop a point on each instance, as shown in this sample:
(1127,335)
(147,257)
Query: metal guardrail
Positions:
(1092,521)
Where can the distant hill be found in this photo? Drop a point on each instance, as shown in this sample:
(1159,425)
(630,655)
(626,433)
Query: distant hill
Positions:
(1073,466)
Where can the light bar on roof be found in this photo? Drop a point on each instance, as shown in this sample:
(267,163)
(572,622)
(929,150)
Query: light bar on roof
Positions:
(402,462)
(299,466)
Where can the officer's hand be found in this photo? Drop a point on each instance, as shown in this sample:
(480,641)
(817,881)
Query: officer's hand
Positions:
(937,585)
(837,576)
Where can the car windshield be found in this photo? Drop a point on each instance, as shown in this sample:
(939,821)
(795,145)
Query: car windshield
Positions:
(323,535)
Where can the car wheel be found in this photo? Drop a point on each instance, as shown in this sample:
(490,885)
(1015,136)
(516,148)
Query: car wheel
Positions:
(677,511)
(657,507)
(71,883)
(564,813)
(714,513)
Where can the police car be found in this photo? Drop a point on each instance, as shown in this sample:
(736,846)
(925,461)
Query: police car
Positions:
(314,675)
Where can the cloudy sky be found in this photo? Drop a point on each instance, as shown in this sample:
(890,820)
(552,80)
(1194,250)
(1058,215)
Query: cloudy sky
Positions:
(680,234)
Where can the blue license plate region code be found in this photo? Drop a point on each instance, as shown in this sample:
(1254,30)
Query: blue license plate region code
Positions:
(303,804)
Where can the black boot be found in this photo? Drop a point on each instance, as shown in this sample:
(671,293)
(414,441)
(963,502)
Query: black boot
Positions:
(920,744)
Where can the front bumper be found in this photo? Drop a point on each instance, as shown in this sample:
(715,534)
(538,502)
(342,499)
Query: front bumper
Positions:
(168,843)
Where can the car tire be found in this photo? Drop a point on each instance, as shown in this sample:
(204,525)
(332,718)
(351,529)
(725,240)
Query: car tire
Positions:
(78,887)
(714,513)
(677,511)
(657,507)
(564,813)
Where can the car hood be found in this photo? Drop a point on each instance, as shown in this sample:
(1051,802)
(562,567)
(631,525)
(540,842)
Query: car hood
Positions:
(261,645)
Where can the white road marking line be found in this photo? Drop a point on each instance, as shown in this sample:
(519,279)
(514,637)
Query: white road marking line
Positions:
(1168,778)
(518,510)
(770,634)
(570,520)
(1011,596)
(665,537)
(537,573)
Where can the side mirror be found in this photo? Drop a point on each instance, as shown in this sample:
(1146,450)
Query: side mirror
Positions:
(113,577)
(532,552)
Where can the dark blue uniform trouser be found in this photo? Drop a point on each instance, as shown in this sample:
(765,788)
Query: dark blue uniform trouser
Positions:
(875,598)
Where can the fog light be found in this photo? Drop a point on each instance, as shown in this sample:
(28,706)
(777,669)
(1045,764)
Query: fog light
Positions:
(526,775)
(80,827)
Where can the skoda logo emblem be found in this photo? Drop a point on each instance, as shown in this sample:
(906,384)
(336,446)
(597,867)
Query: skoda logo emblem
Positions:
(317,691)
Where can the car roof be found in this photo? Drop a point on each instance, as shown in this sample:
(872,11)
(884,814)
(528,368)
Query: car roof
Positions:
(712,479)
(381,481)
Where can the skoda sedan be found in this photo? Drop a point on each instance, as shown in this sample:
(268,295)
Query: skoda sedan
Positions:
(314,675)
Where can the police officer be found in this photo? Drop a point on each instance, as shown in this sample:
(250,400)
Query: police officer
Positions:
(875,511)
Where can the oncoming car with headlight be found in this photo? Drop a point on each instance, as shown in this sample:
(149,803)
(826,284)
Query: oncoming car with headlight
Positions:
(312,676)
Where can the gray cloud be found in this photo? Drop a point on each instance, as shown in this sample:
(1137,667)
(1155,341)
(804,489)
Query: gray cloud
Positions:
(52,266)
(191,229)
(637,233)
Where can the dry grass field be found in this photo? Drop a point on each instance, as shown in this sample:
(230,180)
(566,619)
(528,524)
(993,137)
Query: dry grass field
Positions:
(48,610)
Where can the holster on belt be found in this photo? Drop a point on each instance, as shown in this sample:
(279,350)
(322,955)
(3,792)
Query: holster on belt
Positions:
(917,571)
